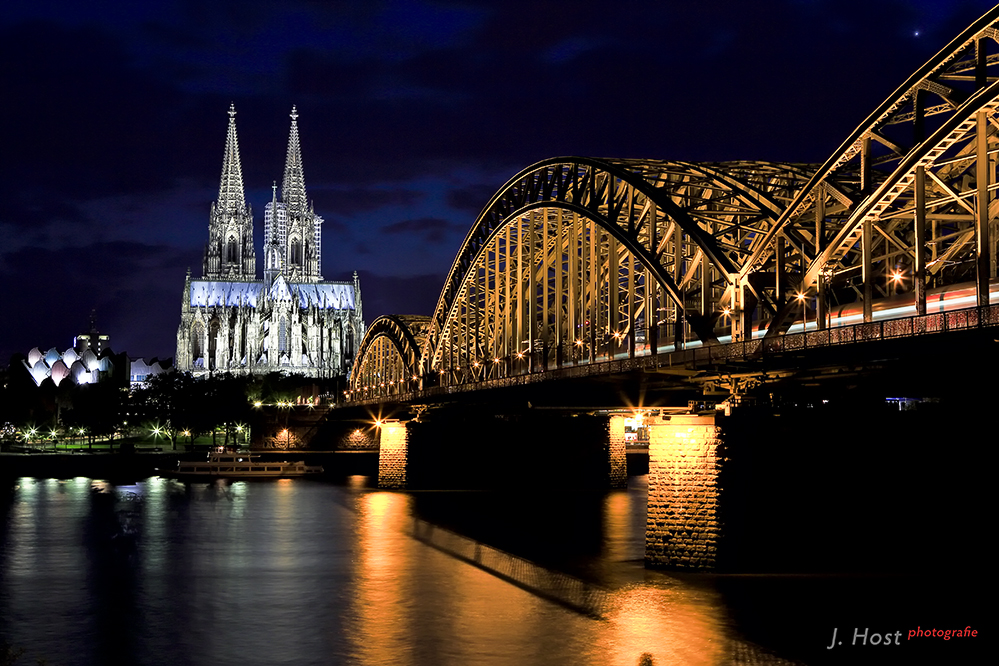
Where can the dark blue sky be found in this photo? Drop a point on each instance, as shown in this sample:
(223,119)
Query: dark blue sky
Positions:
(113,117)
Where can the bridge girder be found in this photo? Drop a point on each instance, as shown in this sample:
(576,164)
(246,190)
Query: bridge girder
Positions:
(678,228)
(577,259)
(912,162)
(389,355)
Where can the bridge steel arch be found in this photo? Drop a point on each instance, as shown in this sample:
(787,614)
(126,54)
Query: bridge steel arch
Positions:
(577,259)
(388,357)
(581,259)
(905,204)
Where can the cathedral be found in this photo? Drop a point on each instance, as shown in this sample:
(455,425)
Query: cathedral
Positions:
(292,320)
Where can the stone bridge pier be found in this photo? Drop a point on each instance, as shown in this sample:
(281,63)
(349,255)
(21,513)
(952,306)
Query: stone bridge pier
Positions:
(854,488)
(857,487)
(471,448)
(683,527)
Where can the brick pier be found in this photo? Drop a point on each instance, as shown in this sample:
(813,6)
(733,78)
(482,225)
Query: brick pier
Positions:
(683,528)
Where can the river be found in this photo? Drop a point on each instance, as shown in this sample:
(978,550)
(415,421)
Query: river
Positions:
(321,572)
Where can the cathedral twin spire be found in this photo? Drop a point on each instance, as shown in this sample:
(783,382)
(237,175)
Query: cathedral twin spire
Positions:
(231,197)
(292,231)
(229,253)
(293,185)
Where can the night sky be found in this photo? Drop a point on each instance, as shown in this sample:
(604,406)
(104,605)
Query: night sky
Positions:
(412,114)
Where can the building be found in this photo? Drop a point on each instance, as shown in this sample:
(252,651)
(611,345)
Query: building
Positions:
(141,370)
(92,339)
(88,361)
(291,320)
(69,366)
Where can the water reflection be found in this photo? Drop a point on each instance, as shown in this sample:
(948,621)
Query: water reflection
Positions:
(425,594)
(379,634)
(304,572)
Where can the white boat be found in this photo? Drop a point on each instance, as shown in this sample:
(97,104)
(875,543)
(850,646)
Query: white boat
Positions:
(241,465)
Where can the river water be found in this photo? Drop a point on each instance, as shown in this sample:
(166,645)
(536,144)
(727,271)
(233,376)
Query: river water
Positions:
(322,572)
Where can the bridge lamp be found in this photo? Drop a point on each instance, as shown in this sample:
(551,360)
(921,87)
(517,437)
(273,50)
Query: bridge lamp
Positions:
(496,360)
(579,343)
(475,365)
(520,354)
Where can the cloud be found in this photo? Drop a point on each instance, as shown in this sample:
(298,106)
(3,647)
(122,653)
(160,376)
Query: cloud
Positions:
(134,287)
(360,199)
(470,198)
(389,294)
(431,229)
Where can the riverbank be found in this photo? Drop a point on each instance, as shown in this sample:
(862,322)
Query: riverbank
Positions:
(143,464)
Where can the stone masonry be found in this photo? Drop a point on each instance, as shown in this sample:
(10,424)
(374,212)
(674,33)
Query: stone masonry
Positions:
(393,456)
(683,528)
(616,452)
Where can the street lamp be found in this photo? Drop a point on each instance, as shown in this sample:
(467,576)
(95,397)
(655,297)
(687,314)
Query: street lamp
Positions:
(804,311)
(896,280)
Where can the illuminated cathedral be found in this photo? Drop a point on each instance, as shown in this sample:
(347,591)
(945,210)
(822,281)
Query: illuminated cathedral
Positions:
(291,320)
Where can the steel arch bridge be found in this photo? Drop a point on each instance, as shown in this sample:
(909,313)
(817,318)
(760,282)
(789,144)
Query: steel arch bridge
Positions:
(389,355)
(578,260)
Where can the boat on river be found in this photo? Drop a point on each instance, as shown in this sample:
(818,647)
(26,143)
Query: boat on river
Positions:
(241,465)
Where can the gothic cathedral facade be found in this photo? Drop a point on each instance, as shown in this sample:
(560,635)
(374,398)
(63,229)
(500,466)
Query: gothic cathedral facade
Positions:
(292,320)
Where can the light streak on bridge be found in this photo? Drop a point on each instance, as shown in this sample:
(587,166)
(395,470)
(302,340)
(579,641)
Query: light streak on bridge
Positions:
(577,261)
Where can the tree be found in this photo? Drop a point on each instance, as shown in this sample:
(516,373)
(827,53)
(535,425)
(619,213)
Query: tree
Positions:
(169,399)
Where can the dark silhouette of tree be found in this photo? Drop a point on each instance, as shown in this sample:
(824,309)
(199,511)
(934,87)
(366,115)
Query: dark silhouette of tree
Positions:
(169,400)
(101,408)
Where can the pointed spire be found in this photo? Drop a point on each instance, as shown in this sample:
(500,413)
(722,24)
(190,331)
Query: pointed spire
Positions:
(274,200)
(231,198)
(293,185)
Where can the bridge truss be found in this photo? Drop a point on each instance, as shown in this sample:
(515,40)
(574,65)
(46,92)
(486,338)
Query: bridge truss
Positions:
(578,260)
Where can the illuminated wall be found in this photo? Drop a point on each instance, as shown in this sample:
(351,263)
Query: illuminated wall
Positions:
(683,528)
(393,456)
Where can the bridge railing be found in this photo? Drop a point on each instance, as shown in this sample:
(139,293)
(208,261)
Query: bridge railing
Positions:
(889,329)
